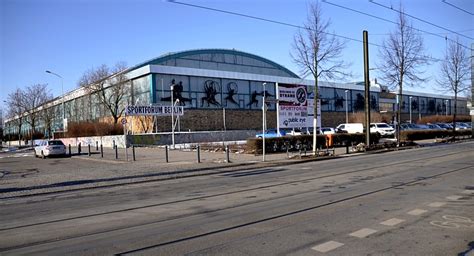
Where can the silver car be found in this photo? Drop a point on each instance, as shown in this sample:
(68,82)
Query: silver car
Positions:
(50,148)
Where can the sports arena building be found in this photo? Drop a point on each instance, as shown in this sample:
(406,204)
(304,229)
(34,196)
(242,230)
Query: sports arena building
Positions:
(222,89)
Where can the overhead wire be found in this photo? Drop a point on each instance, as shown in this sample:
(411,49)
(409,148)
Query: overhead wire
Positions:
(459,8)
(265,19)
(288,24)
(419,19)
(393,22)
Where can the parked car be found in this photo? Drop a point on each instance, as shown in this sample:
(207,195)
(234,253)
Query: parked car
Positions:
(292,132)
(328,130)
(408,127)
(435,127)
(445,126)
(382,128)
(422,127)
(462,126)
(351,127)
(271,133)
(48,148)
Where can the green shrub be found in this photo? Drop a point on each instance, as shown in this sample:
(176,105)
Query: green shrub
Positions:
(84,129)
(295,143)
(431,134)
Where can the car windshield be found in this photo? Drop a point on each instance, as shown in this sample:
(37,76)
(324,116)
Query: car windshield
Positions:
(383,126)
(55,142)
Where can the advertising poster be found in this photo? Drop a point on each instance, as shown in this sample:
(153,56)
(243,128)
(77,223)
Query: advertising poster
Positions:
(292,106)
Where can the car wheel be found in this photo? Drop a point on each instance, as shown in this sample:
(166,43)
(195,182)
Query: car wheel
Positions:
(42,155)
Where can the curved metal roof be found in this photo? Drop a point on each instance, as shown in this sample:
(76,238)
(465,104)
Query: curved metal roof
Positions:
(161,60)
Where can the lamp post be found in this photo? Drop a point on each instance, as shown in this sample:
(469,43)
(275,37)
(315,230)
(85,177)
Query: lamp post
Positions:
(410,108)
(347,114)
(263,122)
(446,101)
(62,99)
(172,115)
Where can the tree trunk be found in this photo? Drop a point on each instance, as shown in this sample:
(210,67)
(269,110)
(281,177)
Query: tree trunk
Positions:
(455,110)
(399,110)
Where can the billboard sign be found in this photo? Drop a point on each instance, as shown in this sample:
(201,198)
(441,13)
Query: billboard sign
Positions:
(292,106)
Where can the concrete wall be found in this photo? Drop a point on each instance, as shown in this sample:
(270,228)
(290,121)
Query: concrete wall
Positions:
(189,137)
(106,141)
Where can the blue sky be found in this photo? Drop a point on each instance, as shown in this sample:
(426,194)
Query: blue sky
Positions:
(70,36)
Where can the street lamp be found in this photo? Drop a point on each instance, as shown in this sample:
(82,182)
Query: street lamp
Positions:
(172,114)
(446,101)
(410,107)
(263,122)
(62,99)
(347,114)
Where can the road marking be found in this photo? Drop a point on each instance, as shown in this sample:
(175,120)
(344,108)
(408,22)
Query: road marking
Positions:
(306,168)
(454,198)
(468,192)
(417,212)
(453,221)
(392,222)
(363,232)
(436,204)
(328,246)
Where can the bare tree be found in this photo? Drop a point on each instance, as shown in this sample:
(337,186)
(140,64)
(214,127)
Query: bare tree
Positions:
(47,116)
(401,55)
(317,52)
(15,110)
(110,85)
(146,123)
(455,73)
(33,97)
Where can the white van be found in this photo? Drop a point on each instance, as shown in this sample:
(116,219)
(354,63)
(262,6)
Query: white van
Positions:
(351,128)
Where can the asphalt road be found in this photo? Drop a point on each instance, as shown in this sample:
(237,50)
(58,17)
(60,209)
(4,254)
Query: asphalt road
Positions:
(411,202)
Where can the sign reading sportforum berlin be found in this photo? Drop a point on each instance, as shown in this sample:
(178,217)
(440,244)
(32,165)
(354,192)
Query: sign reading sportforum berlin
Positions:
(133,110)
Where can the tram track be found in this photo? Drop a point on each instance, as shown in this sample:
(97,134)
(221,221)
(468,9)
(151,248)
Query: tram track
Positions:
(178,175)
(227,193)
(393,186)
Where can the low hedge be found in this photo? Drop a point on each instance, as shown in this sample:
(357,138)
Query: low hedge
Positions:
(431,134)
(295,143)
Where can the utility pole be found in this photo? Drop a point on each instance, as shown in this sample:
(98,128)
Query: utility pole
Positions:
(264,123)
(367,87)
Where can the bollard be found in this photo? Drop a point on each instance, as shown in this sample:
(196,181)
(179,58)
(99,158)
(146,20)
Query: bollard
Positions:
(347,148)
(89,150)
(96,146)
(101,151)
(133,152)
(166,153)
(227,153)
(70,150)
(79,149)
(199,153)
(116,152)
